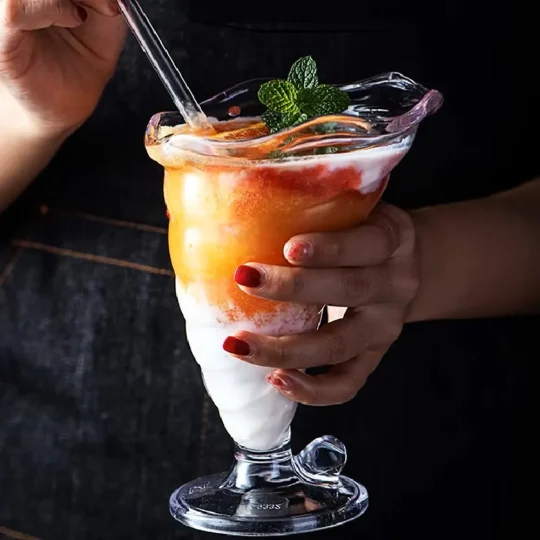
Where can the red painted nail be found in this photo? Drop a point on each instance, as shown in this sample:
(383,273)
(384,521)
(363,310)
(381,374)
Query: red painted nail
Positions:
(236,346)
(82,13)
(298,251)
(247,276)
(168,214)
(280,382)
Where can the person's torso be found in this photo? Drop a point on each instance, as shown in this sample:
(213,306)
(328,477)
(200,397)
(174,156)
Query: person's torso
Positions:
(102,410)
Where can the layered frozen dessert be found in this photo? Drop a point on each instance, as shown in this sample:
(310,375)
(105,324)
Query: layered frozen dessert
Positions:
(237,195)
(223,215)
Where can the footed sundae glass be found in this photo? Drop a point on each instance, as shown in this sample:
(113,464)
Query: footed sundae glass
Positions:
(235,197)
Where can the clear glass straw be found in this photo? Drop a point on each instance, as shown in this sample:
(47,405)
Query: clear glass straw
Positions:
(164,65)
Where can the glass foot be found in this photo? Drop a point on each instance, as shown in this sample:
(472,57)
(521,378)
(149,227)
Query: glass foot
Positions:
(274,493)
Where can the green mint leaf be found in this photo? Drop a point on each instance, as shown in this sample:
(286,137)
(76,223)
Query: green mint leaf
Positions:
(276,121)
(300,118)
(275,154)
(307,100)
(326,150)
(279,96)
(303,73)
(322,129)
(323,100)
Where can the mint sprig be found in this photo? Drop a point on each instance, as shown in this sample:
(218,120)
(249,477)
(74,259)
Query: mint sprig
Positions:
(300,97)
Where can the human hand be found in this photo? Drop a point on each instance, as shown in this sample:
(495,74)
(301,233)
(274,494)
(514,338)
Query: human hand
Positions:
(56,56)
(371,270)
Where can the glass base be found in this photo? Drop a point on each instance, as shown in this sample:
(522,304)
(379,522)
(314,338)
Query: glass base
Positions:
(274,493)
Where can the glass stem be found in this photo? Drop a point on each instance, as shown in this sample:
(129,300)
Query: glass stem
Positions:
(253,469)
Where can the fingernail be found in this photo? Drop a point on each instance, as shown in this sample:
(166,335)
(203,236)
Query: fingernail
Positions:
(82,13)
(247,276)
(236,346)
(298,251)
(167,213)
(280,382)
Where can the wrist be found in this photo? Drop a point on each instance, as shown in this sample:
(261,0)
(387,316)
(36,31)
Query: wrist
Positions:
(21,124)
(32,145)
(424,304)
(25,150)
(478,258)
(29,131)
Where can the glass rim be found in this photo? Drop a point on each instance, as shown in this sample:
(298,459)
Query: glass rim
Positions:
(385,109)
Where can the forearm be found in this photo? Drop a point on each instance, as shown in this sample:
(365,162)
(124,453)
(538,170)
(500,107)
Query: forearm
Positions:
(479,258)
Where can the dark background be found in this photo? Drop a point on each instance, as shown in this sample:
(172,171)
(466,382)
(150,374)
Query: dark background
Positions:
(102,411)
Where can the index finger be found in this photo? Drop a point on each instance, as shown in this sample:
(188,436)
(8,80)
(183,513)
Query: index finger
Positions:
(371,243)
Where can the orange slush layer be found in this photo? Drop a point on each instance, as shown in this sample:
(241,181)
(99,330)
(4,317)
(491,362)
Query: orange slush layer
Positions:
(222,217)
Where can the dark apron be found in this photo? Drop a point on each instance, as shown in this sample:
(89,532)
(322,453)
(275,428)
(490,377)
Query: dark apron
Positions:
(102,409)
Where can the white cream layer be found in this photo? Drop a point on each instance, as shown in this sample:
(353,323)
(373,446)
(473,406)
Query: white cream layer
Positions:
(255,414)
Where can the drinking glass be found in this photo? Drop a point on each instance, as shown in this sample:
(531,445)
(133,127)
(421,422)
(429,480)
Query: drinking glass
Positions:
(234,200)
